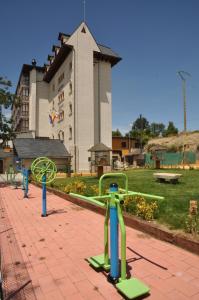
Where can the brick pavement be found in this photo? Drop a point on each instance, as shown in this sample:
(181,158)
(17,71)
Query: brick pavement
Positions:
(54,251)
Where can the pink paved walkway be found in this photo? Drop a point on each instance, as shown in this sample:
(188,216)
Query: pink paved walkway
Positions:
(54,249)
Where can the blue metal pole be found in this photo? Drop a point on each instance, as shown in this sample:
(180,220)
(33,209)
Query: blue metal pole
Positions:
(44,214)
(26,183)
(23,180)
(114,252)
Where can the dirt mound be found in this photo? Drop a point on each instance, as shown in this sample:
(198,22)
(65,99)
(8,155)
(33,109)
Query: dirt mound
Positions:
(175,143)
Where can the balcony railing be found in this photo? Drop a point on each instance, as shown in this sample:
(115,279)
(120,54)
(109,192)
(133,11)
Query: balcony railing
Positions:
(24,98)
(25,113)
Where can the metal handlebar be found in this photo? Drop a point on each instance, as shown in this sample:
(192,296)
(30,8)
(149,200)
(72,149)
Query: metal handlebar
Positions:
(113,175)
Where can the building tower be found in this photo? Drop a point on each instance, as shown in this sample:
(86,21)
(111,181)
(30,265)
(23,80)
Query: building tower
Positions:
(70,98)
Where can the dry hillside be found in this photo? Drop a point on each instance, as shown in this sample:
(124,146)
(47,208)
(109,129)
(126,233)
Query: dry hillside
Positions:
(190,141)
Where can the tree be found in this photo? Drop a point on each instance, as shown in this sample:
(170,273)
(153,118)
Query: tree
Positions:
(116,133)
(157,129)
(140,124)
(171,129)
(7,99)
(140,130)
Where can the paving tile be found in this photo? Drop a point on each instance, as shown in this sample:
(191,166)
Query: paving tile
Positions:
(195,297)
(39,294)
(176,295)
(194,271)
(186,288)
(40,269)
(57,272)
(195,282)
(54,295)
(74,297)
(159,284)
(156,295)
(56,246)
(88,291)
(66,287)
(47,284)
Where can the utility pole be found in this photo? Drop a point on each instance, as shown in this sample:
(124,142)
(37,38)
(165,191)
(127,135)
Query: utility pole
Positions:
(141,131)
(130,137)
(183,76)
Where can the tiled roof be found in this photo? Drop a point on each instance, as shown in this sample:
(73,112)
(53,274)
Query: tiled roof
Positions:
(32,148)
(59,59)
(107,51)
(99,148)
(26,69)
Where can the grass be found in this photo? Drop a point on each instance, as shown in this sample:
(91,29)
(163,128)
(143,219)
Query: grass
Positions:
(174,209)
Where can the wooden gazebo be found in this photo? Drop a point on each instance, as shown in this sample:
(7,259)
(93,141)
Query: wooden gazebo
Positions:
(100,158)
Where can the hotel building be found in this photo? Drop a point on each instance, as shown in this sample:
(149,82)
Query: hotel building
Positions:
(70,98)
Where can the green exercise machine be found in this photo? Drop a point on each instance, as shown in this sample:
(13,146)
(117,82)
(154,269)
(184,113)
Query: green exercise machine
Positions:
(44,171)
(112,201)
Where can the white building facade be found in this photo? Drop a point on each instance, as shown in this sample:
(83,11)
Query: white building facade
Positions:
(70,98)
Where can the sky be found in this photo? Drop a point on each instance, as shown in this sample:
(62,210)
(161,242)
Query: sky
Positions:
(155,38)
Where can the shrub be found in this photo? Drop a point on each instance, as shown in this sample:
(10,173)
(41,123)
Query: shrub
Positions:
(94,190)
(192,224)
(140,207)
(76,186)
(146,210)
(130,204)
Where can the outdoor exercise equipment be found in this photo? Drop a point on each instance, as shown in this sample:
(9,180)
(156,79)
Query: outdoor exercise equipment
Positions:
(25,178)
(10,174)
(130,288)
(44,171)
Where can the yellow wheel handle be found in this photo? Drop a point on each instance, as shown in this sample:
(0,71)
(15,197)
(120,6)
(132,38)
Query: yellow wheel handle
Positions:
(43,166)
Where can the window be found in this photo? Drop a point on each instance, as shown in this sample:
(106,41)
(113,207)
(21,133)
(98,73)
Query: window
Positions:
(61,116)
(61,97)
(70,133)
(25,92)
(70,109)
(60,78)
(25,108)
(70,88)
(25,125)
(70,66)
(137,145)
(26,80)
(83,30)
(123,144)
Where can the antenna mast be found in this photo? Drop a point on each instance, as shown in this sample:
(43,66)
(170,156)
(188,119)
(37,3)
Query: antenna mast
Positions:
(84,4)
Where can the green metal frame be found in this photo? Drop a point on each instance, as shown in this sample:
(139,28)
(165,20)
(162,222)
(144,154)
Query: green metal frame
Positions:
(10,175)
(131,288)
(43,166)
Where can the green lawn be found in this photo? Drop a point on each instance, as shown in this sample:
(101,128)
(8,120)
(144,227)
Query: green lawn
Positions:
(172,210)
